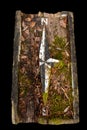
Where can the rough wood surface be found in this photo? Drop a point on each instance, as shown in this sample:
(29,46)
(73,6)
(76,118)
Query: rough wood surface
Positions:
(31,102)
(14,94)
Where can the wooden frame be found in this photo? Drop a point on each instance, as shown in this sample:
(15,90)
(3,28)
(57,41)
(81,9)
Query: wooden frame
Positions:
(25,26)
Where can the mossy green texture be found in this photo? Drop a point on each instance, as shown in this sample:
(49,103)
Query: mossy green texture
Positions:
(58,103)
(45,97)
(57,46)
(61,97)
(55,121)
(59,42)
(24,82)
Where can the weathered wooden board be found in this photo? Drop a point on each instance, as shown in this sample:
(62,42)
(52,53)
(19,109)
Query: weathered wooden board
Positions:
(45,82)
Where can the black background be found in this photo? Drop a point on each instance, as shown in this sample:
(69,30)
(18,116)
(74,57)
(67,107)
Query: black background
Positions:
(7,25)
